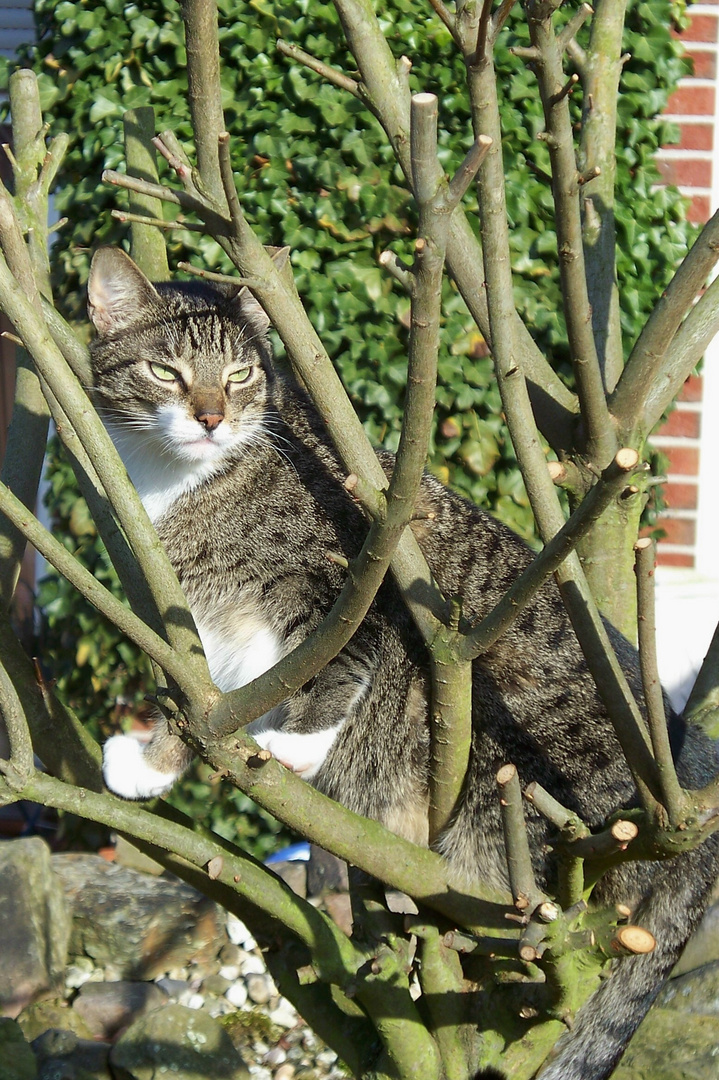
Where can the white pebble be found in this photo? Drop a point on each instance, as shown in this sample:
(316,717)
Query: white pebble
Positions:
(283,1016)
(326,1058)
(275,1056)
(77,976)
(195,1001)
(237,994)
(230,972)
(285,1072)
(238,933)
(252,964)
(259,1072)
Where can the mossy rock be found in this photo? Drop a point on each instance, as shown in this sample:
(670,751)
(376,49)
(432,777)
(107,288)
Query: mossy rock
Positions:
(179,1042)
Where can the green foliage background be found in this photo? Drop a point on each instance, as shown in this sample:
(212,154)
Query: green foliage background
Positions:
(314,171)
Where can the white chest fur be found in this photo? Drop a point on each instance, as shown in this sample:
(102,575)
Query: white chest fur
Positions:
(238,645)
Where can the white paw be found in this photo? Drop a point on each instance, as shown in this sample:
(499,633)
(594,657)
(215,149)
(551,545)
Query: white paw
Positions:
(303,754)
(126,772)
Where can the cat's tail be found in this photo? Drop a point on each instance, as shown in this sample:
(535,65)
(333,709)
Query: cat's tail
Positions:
(680,890)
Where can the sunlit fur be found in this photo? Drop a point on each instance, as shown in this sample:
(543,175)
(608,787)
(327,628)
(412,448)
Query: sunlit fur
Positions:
(248,505)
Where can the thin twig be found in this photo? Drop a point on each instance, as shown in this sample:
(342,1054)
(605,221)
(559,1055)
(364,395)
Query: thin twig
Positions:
(570,30)
(223,279)
(158,223)
(672,794)
(567,821)
(400,272)
(519,860)
(332,75)
(446,17)
(616,838)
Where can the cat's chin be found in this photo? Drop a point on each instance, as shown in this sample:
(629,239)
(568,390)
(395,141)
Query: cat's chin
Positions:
(127,774)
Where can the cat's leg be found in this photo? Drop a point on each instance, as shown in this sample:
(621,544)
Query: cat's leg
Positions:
(137,770)
(303,753)
(303,731)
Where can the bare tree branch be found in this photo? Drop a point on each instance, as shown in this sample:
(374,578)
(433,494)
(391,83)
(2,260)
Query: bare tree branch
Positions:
(672,795)
(664,354)
(148,245)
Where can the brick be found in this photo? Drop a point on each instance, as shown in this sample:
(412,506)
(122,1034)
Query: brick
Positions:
(673,558)
(683,460)
(693,388)
(704,64)
(681,496)
(691,101)
(683,423)
(678,530)
(694,137)
(700,28)
(699,209)
(686,172)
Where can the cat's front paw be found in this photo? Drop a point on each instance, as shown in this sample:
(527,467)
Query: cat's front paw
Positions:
(126,773)
(303,754)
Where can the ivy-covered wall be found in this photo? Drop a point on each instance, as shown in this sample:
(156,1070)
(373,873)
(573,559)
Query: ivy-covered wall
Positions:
(315,172)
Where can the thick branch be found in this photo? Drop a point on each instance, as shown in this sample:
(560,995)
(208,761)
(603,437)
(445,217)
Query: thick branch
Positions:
(20,765)
(204,90)
(148,244)
(242,874)
(96,442)
(27,434)
(666,351)
(420,873)
(600,68)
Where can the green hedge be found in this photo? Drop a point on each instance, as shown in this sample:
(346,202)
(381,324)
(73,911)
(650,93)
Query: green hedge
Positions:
(315,172)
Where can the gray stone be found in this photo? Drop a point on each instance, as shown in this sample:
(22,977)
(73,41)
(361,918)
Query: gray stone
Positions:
(695,992)
(703,945)
(260,988)
(145,926)
(34,923)
(17,1061)
(293,874)
(179,1042)
(671,1045)
(107,1007)
(61,1055)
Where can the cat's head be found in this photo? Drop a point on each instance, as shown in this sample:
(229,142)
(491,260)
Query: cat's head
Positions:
(185,366)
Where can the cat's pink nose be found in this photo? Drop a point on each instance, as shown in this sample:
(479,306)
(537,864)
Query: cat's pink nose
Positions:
(210,420)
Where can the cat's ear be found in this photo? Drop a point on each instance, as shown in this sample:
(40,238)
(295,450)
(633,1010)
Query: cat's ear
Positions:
(117,291)
(251,313)
(250,310)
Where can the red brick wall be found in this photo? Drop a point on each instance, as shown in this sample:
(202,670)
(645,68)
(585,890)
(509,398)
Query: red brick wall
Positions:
(689,165)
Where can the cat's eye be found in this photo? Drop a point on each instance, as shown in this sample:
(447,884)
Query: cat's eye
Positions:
(164,374)
(239,376)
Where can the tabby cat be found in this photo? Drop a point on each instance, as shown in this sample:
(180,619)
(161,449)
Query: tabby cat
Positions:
(246,493)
